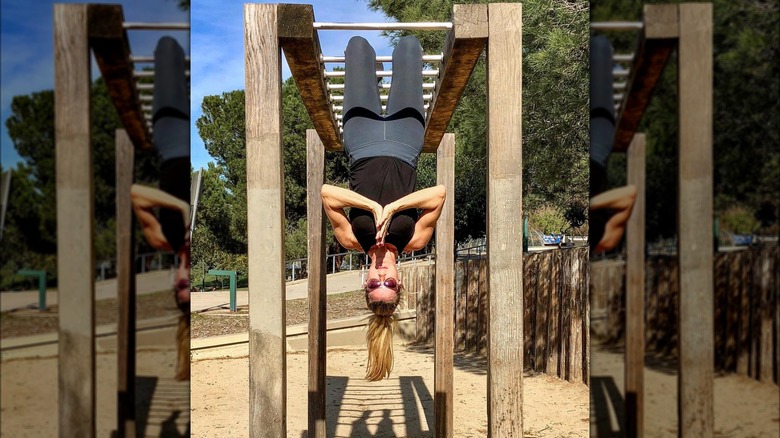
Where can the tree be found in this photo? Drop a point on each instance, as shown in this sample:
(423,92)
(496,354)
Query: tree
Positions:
(746,97)
(32,209)
(555,110)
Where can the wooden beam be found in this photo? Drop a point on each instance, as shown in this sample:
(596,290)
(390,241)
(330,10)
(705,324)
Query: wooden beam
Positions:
(695,248)
(635,293)
(75,217)
(125,281)
(315,178)
(301,46)
(108,40)
(462,49)
(265,225)
(445,291)
(655,46)
(504,221)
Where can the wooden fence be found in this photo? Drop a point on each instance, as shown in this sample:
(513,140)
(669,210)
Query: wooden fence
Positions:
(746,309)
(556,309)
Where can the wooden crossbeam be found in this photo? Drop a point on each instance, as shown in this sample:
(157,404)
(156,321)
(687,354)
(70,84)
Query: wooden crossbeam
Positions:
(108,40)
(301,47)
(462,49)
(656,44)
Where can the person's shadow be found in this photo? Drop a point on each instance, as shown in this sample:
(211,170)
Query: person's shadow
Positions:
(605,397)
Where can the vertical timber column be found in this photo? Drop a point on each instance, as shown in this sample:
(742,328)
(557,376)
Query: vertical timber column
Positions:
(445,290)
(635,293)
(505,223)
(315,177)
(265,223)
(695,251)
(125,283)
(75,213)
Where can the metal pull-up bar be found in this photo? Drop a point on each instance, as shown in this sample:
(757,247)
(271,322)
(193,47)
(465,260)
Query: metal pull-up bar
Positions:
(342,59)
(150,59)
(426,86)
(383,26)
(155,26)
(617,25)
(379,73)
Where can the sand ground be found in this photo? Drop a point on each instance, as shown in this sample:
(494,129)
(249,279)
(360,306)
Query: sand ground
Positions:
(29,396)
(399,406)
(744,407)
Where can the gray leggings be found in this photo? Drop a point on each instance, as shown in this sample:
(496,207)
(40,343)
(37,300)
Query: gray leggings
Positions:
(367,133)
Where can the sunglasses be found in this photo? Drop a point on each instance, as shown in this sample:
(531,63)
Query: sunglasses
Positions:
(390,283)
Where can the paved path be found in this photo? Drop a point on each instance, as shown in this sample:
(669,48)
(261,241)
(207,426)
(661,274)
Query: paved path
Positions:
(336,284)
(145,283)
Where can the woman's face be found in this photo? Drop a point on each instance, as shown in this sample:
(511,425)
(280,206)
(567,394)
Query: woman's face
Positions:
(382,267)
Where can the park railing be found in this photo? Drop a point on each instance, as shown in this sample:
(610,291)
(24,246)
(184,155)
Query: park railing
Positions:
(556,313)
(296,269)
(746,303)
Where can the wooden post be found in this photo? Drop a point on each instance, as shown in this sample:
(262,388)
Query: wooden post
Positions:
(504,221)
(125,286)
(695,251)
(445,291)
(462,49)
(265,224)
(315,177)
(75,214)
(635,293)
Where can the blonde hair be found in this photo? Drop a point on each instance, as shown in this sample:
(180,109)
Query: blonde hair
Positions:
(379,337)
(183,348)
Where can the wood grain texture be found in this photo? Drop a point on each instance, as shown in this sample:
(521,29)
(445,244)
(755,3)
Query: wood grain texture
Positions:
(125,285)
(572,260)
(695,248)
(445,292)
(315,178)
(301,46)
(75,229)
(265,223)
(504,221)
(635,293)
(109,43)
(462,47)
(656,44)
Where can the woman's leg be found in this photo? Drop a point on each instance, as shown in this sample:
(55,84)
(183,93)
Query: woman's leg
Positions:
(406,90)
(360,81)
(171,117)
(405,114)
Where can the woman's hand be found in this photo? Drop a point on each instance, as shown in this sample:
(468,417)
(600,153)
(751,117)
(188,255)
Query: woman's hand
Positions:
(383,223)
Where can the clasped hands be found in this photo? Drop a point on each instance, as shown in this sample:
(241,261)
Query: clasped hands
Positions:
(382,217)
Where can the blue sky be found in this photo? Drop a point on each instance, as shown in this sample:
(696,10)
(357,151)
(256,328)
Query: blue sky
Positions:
(26,40)
(218,48)
(217,54)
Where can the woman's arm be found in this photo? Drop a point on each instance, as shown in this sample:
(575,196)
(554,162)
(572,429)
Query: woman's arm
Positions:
(622,201)
(145,199)
(334,200)
(430,200)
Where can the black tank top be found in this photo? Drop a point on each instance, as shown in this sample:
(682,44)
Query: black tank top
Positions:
(384,180)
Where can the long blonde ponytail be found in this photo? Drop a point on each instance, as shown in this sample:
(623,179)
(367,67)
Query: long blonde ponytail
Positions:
(379,338)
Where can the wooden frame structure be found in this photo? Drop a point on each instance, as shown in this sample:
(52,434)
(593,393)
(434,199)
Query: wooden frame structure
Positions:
(81,29)
(686,27)
(271,28)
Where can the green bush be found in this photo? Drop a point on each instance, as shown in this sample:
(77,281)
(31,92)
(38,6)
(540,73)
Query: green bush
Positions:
(738,219)
(548,219)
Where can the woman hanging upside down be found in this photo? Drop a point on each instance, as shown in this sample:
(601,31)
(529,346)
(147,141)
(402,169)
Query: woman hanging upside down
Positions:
(609,209)
(171,230)
(383,151)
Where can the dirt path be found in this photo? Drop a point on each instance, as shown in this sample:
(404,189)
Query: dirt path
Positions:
(29,396)
(744,407)
(399,406)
